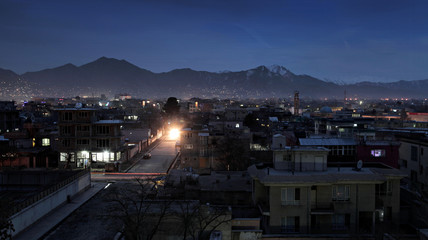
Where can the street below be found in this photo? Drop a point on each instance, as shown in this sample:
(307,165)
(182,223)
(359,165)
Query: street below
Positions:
(162,156)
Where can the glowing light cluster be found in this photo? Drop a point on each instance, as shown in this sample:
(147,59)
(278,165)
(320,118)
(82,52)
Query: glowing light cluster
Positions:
(174,133)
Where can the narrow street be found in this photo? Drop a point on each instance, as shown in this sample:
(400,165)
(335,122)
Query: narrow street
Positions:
(162,156)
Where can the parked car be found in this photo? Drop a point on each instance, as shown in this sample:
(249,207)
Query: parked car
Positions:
(147,155)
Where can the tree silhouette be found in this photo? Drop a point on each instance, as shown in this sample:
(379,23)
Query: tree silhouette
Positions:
(171,107)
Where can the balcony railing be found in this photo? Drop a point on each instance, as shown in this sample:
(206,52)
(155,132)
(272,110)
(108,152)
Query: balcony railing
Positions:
(322,207)
(339,226)
(288,229)
(290,203)
(341,199)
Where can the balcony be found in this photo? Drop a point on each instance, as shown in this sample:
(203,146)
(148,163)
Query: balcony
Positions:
(290,203)
(339,226)
(322,208)
(341,199)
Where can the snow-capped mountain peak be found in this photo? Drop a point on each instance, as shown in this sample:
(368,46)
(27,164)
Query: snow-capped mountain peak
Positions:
(278,69)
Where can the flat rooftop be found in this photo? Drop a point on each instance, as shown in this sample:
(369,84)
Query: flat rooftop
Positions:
(331,176)
(108,122)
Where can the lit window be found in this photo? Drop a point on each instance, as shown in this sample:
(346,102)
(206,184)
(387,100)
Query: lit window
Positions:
(46,142)
(83,154)
(188,146)
(378,153)
(64,156)
(237,125)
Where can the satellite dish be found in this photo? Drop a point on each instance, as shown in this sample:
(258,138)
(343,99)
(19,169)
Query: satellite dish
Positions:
(78,105)
(359,164)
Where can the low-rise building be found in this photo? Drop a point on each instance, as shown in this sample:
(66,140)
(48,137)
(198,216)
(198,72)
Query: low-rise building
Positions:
(315,199)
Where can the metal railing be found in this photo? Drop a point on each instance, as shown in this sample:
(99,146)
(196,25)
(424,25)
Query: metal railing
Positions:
(35,198)
(290,203)
(318,206)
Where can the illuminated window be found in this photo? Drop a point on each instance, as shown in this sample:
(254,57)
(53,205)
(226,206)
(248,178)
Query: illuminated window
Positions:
(378,153)
(83,154)
(46,142)
(64,156)
(188,146)
(103,156)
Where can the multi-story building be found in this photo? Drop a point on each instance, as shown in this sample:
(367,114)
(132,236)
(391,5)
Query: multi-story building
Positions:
(300,195)
(85,141)
(9,117)
(196,149)
(414,160)
(386,152)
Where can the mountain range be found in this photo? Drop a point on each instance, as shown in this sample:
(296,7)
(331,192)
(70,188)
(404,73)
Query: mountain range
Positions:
(111,76)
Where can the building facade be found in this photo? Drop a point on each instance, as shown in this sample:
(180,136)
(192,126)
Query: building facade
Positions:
(85,141)
(414,161)
(321,200)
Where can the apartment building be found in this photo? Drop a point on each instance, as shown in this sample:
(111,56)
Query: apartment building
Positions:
(414,160)
(196,148)
(85,141)
(300,195)
(9,117)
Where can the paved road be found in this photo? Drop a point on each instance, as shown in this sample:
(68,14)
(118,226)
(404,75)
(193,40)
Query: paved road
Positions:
(162,157)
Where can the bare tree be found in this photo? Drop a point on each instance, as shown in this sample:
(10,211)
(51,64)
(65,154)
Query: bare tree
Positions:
(141,210)
(233,154)
(200,221)
(149,212)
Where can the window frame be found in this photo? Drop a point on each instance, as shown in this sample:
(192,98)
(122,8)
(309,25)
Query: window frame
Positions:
(339,196)
(290,196)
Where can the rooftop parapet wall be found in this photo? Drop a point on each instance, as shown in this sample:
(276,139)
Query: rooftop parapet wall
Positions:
(29,211)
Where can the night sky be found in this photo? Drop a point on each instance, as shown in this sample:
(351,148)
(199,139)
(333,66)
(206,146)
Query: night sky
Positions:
(347,41)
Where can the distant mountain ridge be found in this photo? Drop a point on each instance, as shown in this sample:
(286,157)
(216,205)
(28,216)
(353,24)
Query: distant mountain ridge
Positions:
(112,76)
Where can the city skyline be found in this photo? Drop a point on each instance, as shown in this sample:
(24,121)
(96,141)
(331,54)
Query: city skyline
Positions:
(337,41)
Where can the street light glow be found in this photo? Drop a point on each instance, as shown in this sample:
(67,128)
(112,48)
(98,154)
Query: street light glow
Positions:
(174,133)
